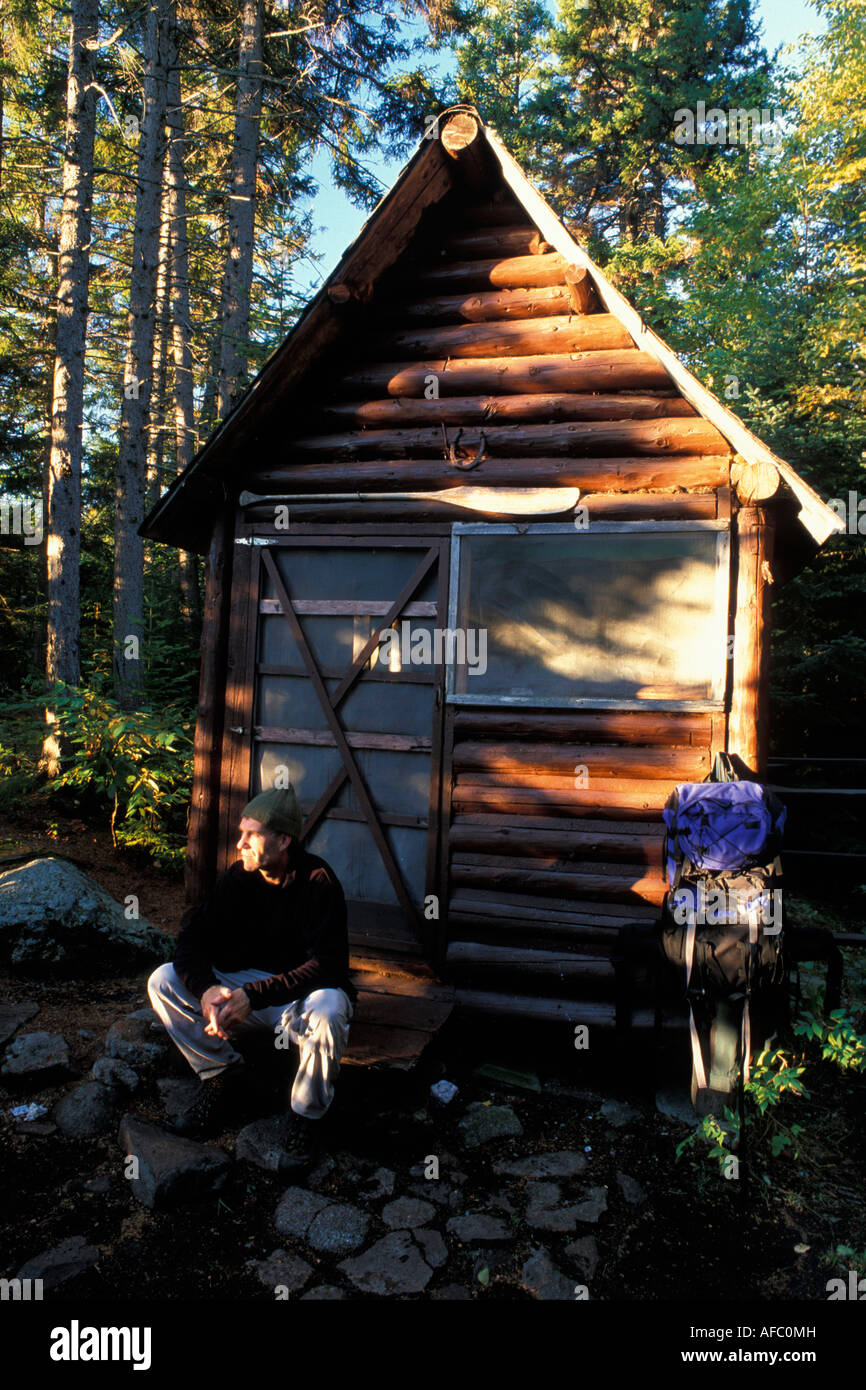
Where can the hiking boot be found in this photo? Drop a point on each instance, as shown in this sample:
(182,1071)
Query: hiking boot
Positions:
(212,1109)
(302,1144)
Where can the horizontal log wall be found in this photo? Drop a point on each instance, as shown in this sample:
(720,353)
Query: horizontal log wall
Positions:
(556,838)
(483,345)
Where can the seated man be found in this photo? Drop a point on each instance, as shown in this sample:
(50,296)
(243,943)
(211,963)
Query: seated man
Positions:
(268,948)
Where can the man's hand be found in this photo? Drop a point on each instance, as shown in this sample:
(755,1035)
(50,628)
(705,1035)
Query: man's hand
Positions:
(213,1001)
(235,1010)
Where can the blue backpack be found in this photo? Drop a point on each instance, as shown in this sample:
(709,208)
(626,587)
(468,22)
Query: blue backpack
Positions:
(723,826)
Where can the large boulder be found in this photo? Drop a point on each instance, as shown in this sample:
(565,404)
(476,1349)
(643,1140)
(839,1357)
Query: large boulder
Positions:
(53,918)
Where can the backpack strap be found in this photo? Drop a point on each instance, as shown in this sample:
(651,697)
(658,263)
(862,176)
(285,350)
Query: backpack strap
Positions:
(723,770)
(697,1055)
(747,1042)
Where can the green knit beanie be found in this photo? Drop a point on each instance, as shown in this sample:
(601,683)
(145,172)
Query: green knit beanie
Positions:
(276,810)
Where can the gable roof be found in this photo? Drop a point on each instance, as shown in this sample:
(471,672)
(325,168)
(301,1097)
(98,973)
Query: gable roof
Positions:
(184,514)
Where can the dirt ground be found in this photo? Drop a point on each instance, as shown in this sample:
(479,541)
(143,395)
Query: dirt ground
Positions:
(692,1235)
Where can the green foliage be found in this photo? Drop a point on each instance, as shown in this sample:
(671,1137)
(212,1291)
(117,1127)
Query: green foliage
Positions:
(503,60)
(841,1043)
(772,1075)
(720,1136)
(134,767)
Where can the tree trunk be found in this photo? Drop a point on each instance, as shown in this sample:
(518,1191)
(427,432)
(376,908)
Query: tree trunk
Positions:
(241,210)
(135,411)
(50,241)
(159,369)
(184,405)
(62,660)
(207,418)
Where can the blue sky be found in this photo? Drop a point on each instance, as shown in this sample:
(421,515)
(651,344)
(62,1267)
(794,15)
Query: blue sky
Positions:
(338,221)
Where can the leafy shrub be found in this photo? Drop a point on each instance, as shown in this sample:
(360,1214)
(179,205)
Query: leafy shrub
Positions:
(842,1043)
(134,765)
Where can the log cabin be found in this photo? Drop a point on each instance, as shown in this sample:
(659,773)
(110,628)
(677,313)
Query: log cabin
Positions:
(488,573)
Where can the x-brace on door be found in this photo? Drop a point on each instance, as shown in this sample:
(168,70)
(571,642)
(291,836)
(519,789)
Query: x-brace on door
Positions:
(317,698)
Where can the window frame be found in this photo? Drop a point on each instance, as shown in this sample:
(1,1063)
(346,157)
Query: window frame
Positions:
(722,601)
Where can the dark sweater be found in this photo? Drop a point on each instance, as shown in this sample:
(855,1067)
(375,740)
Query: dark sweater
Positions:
(296,931)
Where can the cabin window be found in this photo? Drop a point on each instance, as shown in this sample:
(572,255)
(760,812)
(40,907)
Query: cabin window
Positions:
(620,614)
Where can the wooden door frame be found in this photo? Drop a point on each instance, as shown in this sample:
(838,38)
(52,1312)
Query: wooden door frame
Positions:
(252,545)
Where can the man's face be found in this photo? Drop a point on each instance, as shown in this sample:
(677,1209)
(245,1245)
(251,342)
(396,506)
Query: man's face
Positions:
(261,848)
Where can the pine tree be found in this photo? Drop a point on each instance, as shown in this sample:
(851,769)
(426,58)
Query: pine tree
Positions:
(137,393)
(67,411)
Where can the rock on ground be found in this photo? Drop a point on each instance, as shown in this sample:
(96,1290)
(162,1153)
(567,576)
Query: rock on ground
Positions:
(478,1229)
(328,1291)
(118,1076)
(171,1170)
(481,1123)
(139,1039)
(36,1058)
(433,1247)
(85,1111)
(379,1184)
(54,917)
(544,1212)
(584,1255)
(565,1163)
(338,1229)
(296,1211)
(406,1213)
(63,1262)
(264,1143)
(394,1265)
(543,1280)
(438,1192)
(281,1269)
(594,1205)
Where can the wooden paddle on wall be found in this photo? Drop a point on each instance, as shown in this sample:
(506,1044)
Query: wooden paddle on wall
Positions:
(517,501)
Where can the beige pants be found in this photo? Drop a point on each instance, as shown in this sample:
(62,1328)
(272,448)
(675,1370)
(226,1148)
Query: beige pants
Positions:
(318,1024)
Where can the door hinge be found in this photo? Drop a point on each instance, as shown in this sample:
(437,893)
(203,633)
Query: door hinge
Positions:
(253,540)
